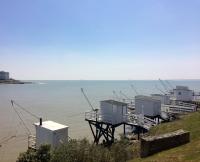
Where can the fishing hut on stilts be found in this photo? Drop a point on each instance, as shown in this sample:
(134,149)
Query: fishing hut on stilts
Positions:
(103,122)
(112,114)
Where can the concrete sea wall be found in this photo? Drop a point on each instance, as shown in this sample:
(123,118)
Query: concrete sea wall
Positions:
(154,144)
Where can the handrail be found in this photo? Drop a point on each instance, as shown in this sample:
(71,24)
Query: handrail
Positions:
(127,118)
(32,142)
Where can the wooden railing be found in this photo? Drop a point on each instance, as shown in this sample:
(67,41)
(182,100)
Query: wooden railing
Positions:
(140,120)
(31,142)
(130,118)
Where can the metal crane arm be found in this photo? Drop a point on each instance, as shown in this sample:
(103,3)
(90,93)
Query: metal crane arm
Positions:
(87,99)
(134,89)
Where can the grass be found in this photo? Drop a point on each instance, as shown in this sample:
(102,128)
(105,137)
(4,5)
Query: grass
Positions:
(187,152)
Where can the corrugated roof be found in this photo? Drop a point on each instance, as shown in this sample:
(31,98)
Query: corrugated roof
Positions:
(115,102)
(142,97)
(182,88)
(51,125)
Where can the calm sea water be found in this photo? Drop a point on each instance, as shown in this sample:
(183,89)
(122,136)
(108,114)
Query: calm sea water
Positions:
(63,102)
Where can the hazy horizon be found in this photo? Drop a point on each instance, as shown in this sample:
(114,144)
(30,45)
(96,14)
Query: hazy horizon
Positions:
(100,40)
(112,80)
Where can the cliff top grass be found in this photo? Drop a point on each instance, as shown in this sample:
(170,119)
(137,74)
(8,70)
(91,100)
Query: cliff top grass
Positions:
(187,152)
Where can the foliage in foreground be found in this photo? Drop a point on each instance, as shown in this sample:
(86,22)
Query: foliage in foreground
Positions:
(41,155)
(80,151)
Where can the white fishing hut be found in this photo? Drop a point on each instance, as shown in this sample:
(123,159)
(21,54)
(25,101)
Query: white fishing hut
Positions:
(165,99)
(147,106)
(112,111)
(49,132)
(182,93)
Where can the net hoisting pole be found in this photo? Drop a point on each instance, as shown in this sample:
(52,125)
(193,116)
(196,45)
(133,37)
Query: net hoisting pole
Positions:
(87,99)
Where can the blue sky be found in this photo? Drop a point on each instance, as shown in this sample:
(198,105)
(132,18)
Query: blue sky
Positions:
(100,39)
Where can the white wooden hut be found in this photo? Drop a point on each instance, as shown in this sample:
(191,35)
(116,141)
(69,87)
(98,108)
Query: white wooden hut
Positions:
(51,133)
(182,93)
(147,106)
(113,112)
(165,99)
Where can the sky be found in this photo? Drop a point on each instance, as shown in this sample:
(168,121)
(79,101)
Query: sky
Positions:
(100,39)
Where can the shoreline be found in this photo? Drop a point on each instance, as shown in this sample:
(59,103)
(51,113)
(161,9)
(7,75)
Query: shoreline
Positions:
(12,81)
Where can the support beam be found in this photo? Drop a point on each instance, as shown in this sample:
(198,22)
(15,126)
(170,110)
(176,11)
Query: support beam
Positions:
(124,129)
(105,130)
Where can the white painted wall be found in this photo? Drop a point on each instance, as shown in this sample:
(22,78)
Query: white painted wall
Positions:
(112,113)
(147,106)
(52,137)
(183,94)
(43,136)
(165,99)
(59,137)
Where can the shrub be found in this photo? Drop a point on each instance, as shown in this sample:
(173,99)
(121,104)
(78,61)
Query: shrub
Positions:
(41,155)
(80,151)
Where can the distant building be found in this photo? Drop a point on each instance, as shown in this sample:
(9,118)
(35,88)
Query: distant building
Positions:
(4,75)
(183,93)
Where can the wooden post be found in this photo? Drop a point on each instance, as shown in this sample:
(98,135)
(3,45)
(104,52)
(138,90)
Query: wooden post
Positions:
(124,129)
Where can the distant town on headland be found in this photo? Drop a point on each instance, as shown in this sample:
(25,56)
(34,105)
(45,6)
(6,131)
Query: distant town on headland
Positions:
(5,79)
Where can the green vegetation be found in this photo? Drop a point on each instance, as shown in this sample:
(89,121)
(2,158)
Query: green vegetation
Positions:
(188,152)
(121,151)
(41,155)
(80,151)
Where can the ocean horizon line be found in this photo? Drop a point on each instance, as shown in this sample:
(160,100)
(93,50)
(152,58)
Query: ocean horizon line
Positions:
(107,79)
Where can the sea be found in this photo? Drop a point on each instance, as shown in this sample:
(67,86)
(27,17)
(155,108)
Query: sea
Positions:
(62,101)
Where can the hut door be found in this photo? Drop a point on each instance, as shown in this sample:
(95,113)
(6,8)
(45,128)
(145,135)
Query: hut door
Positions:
(115,114)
